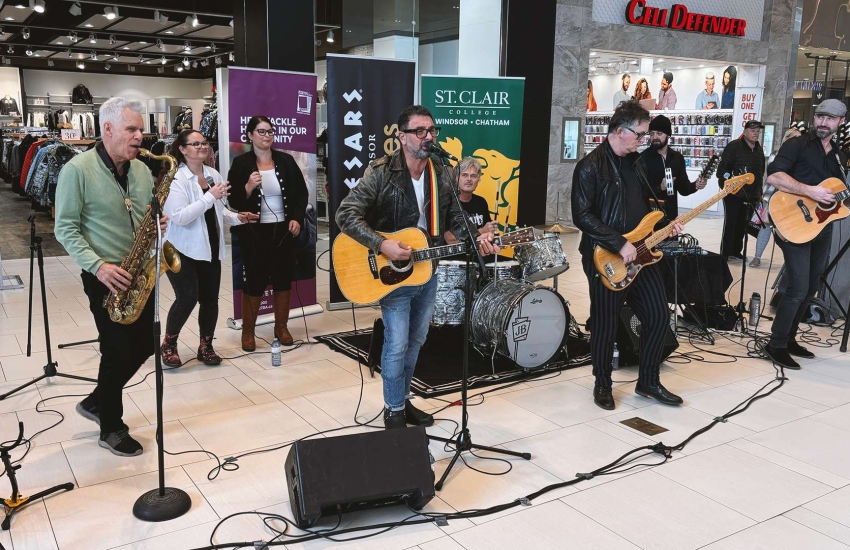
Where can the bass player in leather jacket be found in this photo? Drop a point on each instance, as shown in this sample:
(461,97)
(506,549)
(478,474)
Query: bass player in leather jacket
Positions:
(395,194)
(610,196)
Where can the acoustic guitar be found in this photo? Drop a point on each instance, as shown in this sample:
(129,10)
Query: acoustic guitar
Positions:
(617,274)
(799,219)
(365,277)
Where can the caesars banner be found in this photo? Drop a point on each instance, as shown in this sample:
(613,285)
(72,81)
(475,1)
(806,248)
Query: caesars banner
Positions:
(365,97)
(289,101)
(482,118)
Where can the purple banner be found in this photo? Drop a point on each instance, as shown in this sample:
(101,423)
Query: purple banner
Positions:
(289,101)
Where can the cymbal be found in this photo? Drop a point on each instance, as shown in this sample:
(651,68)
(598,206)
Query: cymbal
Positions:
(554,228)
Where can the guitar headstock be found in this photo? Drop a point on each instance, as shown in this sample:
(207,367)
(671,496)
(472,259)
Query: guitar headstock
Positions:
(736,183)
(710,167)
(842,137)
(520,236)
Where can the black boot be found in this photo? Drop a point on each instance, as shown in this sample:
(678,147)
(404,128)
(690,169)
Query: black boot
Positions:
(797,350)
(604,398)
(415,417)
(781,357)
(658,392)
(394,419)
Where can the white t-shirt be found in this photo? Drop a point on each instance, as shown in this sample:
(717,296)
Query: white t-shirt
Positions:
(271,207)
(419,188)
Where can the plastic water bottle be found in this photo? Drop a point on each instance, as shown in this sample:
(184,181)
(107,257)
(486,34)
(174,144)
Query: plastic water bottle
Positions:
(615,361)
(276,353)
(755,309)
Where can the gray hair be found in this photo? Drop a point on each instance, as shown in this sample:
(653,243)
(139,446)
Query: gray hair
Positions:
(709,75)
(469,162)
(112,110)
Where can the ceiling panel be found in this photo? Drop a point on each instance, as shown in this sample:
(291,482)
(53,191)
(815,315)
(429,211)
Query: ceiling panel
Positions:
(74,56)
(138,24)
(97,21)
(167,48)
(213,32)
(12,13)
(132,46)
(42,53)
(181,29)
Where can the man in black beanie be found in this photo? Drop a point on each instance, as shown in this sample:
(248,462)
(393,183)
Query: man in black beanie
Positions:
(660,156)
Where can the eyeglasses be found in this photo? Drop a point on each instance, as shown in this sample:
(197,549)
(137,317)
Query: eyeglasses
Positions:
(199,144)
(639,135)
(422,132)
(264,132)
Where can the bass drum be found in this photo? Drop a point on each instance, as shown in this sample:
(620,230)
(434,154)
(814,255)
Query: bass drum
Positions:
(451,281)
(525,323)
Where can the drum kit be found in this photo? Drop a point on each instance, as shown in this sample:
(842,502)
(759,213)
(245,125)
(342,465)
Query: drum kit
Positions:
(512,316)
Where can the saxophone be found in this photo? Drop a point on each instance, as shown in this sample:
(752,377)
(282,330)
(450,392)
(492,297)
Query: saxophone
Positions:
(125,306)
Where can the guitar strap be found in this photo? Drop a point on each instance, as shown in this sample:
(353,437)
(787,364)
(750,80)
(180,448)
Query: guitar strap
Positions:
(434,188)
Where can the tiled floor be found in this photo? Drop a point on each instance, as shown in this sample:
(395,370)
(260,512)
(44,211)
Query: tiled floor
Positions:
(775,477)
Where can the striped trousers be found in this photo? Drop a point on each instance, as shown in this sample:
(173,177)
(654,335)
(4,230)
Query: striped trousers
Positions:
(648,300)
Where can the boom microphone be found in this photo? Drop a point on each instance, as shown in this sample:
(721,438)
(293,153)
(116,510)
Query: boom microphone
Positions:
(435,149)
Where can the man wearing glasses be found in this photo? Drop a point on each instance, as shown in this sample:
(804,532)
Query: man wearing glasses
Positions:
(610,196)
(395,193)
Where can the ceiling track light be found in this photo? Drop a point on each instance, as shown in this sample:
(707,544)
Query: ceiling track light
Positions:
(29,52)
(37,5)
(50,63)
(11,49)
(81,65)
(26,33)
(69,53)
(111,39)
(231,57)
(160,45)
(330,37)
(107,66)
(72,36)
(178,68)
(75,9)
(195,21)
(2,32)
(187,47)
(131,68)
(217,60)
(160,70)
(163,60)
(93,39)
(194,64)
(186,62)
(160,17)
(94,56)
(212,47)
(110,12)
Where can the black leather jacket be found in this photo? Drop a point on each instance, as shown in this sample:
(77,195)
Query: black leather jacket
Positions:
(384,200)
(598,201)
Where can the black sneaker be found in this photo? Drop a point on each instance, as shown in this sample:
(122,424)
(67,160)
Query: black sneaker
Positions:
(394,419)
(797,350)
(781,357)
(89,412)
(415,417)
(604,398)
(121,443)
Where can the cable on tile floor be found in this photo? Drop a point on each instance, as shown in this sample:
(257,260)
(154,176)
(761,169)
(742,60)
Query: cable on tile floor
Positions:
(624,463)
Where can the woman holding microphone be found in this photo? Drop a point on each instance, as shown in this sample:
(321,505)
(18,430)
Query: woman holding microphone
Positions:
(196,209)
(269,183)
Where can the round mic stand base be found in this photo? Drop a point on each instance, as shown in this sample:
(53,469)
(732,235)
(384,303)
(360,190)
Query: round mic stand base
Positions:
(153,506)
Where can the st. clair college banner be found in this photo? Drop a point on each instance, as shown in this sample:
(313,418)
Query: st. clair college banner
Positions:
(289,101)
(482,118)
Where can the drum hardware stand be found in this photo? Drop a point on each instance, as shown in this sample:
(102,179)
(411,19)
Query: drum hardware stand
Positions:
(164,503)
(50,369)
(17,501)
(832,265)
(463,440)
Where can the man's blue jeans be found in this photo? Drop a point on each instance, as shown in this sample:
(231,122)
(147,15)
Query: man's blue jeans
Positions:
(407,314)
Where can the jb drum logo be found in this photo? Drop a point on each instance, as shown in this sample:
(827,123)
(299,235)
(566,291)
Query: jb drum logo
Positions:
(520,328)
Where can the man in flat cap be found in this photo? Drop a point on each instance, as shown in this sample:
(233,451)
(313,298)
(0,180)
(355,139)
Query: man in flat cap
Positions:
(800,165)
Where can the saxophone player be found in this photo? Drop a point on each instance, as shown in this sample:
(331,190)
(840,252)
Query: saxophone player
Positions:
(101,199)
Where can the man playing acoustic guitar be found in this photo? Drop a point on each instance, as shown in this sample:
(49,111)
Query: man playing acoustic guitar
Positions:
(610,197)
(800,165)
(397,192)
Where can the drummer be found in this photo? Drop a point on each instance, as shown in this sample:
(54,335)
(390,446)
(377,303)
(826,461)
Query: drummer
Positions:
(475,206)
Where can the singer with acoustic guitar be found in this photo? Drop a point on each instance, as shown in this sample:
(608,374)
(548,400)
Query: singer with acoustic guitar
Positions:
(610,197)
(406,189)
(801,164)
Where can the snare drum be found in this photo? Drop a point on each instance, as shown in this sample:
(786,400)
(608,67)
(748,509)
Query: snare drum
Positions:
(542,259)
(450,302)
(508,269)
(528,324)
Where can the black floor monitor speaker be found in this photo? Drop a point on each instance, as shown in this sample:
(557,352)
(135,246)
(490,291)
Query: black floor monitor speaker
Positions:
(354,472)
(628,339)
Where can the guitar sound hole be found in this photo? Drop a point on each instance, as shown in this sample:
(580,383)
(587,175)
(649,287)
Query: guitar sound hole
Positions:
(400,264)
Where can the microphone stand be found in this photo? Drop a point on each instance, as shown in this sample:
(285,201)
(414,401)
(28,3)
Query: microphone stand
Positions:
(163,503)
(463,440)
(741,308)
(50,369)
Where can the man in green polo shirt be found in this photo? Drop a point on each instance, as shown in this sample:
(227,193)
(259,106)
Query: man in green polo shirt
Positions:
(101,199)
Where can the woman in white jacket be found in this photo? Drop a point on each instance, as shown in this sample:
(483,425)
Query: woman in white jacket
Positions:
(197,214)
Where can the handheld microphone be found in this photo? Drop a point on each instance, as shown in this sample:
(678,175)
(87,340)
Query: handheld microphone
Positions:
(435,149)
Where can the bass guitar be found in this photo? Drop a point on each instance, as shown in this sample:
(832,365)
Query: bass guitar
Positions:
(365,277)
(617,274)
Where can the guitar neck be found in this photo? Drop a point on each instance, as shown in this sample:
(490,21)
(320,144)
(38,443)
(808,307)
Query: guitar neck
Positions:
(437,252)
(665,232)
